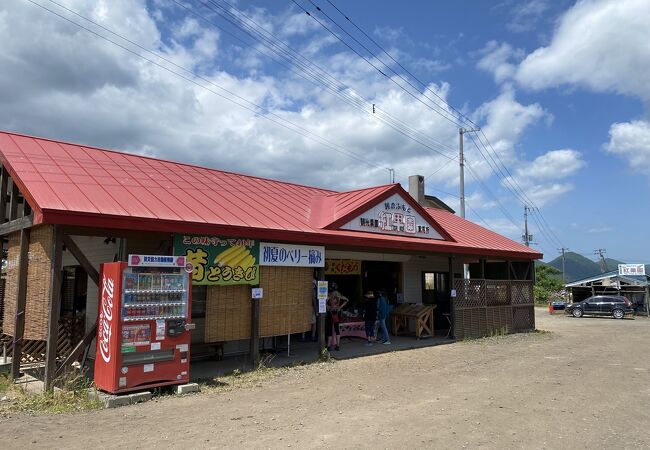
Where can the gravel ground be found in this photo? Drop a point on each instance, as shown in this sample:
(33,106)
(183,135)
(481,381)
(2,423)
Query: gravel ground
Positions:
(583,385)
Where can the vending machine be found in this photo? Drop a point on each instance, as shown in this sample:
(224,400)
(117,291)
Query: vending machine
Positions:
(143,323)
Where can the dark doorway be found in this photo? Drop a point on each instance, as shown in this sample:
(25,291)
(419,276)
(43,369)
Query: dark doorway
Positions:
(435,291)
(382,275)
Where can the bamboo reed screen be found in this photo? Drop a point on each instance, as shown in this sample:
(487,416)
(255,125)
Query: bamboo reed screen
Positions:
(285,308)
(287,304)
(228,313)
(13,254)
(38,282)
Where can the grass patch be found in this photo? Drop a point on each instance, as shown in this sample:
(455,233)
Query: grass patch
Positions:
(72,397)
(265,372)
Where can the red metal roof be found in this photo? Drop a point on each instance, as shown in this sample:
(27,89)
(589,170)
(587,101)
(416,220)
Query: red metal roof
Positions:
(77,185)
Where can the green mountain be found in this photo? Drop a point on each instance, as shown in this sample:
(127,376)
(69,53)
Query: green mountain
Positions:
(578,267)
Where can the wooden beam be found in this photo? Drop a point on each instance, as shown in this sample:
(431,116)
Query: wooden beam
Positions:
(452,300)
(55,309)
(4,181)
(321,317)
(16,225)
(255,332)
(73,248)
(13,205)
(21,301)
(77,351)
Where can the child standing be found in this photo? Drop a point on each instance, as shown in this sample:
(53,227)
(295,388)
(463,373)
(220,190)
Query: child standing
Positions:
(370,316)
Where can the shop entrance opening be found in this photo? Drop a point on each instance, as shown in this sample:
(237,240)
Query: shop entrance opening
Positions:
(435,291)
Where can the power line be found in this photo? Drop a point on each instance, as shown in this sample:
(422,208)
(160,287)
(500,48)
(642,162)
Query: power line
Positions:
(509,180)
(318,74)
(459,114)
(254,108)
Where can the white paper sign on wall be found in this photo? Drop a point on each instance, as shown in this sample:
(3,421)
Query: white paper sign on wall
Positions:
(257,293)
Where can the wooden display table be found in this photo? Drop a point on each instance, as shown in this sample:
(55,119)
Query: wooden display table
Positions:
(421,314)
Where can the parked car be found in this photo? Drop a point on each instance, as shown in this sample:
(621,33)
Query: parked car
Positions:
(616,306)
(559,304)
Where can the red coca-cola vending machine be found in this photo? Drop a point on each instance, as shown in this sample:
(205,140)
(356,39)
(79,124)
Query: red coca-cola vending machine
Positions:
(144,323)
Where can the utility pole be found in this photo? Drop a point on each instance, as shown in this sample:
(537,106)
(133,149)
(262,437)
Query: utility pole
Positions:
(527,238)
(461,159)
(601,259)
(563,251)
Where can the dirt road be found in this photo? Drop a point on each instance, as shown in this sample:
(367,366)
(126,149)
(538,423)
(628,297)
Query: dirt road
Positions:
(585,385)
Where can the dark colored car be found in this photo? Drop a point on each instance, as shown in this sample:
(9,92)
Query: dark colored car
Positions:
(616,306)
(559,304)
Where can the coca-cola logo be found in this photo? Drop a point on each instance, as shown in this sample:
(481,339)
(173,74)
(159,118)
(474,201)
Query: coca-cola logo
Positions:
(105,318)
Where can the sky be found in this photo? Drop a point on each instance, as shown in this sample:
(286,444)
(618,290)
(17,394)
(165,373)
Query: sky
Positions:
(353,92)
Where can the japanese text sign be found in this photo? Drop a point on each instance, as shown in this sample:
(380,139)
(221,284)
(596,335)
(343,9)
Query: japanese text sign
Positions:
(342,267)
(291,255)
(631,269)
(393,215)
(322,297)
(156,261)
(220,260)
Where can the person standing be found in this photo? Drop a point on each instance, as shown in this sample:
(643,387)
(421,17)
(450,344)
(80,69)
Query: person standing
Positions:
(335,302)
(370,316)
(382,315)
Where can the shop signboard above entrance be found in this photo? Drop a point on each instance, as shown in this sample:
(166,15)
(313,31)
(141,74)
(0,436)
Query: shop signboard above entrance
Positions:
(393,216)
(342,267)
(272,254)
(220,260)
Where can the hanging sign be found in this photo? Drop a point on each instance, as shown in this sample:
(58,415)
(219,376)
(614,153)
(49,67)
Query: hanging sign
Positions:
(321,294)
(291,255)
(156,261)
(393,216)
(342,267)
(631,269)
(219,260)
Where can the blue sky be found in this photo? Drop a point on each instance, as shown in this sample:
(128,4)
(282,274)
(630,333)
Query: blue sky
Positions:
(559,88)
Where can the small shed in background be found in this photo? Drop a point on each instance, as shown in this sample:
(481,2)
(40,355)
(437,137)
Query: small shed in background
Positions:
(634,287)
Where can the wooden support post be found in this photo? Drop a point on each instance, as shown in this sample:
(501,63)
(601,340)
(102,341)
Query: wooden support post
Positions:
(452,300)
(482,264)
(255,332)
(81,258)
(84,344)
(321,317)
(4,181)
(21,301)
(13,205)
(55,309)
(647,300)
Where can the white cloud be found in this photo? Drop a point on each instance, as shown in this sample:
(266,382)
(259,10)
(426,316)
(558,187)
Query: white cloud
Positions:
(496,58)
(553,165)
(631,141)
(525,15)
(600,45)
(506,120)
(64,83)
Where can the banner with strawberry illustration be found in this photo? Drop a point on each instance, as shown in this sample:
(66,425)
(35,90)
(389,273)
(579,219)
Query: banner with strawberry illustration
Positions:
(219,260)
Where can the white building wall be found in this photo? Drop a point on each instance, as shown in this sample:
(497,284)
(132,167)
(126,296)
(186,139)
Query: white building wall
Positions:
(412,273)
